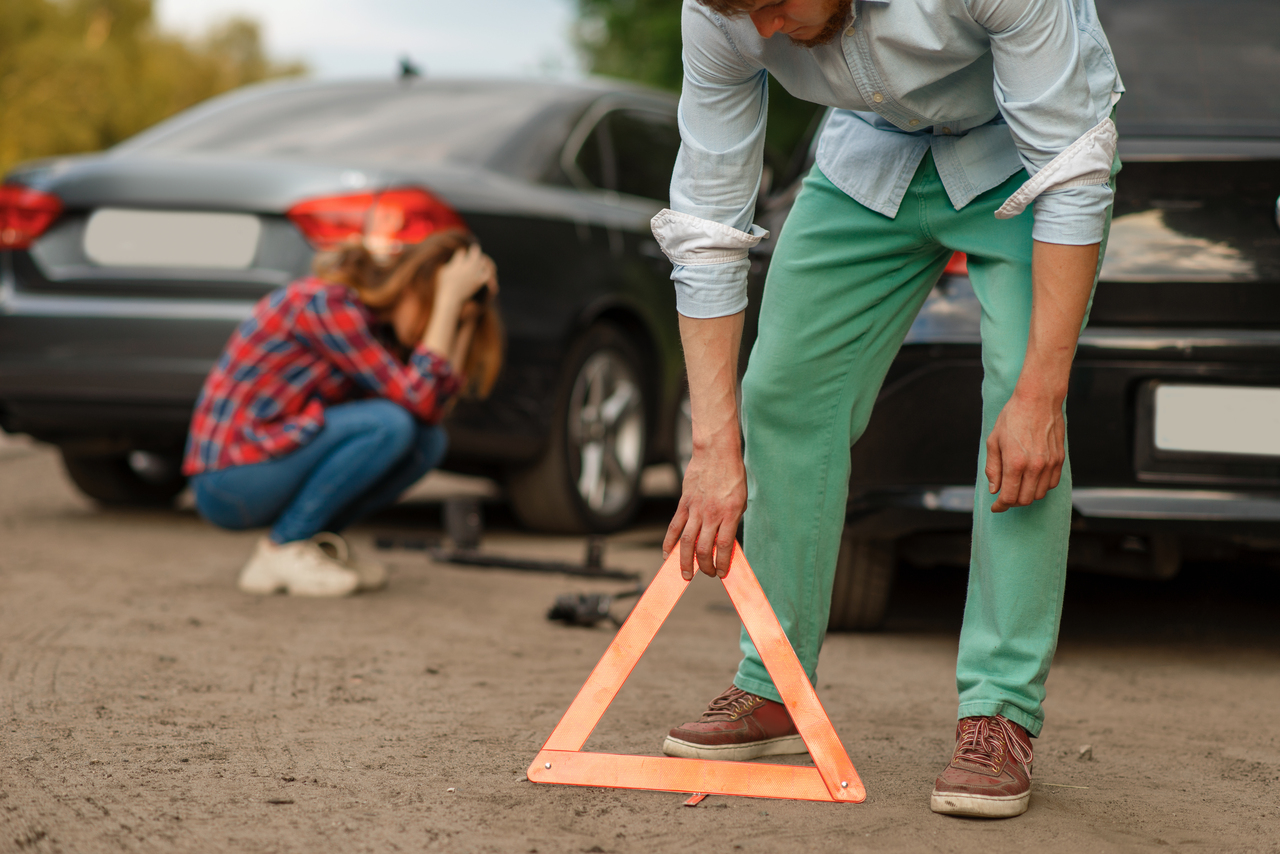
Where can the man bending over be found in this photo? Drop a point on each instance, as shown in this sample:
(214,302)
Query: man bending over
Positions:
(978,126)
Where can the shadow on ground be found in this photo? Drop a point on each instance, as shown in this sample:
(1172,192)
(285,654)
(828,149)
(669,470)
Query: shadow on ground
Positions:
(1220,604)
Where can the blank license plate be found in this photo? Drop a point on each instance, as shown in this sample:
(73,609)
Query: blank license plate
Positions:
(129,238)
(1218,419)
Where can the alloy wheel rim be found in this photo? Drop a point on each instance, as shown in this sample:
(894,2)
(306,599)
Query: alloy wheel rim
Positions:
(606,433)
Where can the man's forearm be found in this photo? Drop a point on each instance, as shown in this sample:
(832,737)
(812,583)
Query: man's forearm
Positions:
(715,486)
(711,360)
(1026,449)
(1062,279)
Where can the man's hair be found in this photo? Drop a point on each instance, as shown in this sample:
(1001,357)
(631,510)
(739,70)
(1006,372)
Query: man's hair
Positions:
(729,7)
(838,16)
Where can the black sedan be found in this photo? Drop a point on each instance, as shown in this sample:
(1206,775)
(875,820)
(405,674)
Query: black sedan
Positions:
(1174,405)
(123,273)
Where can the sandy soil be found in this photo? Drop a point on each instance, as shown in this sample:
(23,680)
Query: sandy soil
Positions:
(146,705)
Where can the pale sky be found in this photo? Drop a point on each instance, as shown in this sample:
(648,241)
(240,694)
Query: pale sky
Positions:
(345,38)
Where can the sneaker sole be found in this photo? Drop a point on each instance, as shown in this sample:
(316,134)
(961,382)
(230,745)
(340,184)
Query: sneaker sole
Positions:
(257,585)
(980,806)
(734,752)
(370,580)
(260,590)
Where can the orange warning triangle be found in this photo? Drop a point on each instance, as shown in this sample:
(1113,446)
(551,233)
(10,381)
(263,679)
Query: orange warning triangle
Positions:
(561,759)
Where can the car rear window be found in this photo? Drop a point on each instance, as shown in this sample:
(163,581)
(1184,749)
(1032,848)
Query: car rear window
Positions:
(1192,67)
(370,122)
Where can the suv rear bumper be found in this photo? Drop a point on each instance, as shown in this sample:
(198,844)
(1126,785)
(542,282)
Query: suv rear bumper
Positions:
(1188,505)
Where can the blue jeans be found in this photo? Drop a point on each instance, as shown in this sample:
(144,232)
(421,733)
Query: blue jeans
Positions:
(367,454)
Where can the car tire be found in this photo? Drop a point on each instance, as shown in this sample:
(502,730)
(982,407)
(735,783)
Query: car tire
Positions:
(864,577)
(588,478)
(135,478)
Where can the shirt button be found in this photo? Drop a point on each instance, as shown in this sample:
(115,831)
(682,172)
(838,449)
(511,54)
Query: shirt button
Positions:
(947,131)
(877,97)
(914,122)
(851,30)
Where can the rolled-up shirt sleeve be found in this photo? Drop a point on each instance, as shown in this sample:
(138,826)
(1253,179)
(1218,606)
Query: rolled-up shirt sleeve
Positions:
(1060,124)
(707,231)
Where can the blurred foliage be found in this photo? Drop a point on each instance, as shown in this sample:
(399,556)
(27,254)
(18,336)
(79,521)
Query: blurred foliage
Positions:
(640,40)
(81,75)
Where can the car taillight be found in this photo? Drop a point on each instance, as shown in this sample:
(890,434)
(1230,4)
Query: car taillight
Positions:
(25,214)
(387,220)
(958,265)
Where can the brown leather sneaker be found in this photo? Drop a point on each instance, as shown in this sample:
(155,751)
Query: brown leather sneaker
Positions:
(736,726)
(990,772)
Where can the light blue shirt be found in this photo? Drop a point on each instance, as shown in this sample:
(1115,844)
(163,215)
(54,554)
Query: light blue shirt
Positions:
(989,86)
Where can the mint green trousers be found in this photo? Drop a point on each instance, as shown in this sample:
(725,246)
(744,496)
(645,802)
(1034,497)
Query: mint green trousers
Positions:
(844,286)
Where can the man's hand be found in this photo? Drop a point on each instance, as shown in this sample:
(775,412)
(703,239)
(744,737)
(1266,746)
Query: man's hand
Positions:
(706,521)
(1027,447)
(1025,451)
(715,485)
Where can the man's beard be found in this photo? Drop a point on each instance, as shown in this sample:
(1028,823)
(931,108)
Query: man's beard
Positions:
(839,13)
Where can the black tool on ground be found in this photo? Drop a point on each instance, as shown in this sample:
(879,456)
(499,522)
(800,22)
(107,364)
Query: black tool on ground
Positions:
(588,609)
(471,557)
(464,523)
(387,542)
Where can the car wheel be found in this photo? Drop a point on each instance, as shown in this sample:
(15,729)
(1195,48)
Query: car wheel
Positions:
(864,577)
(588,479)
(141,478)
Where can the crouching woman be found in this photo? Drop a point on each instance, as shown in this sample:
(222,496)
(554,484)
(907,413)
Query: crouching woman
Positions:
(326,404)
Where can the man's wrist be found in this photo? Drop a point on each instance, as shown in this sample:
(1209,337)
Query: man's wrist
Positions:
(723,443)
(1037,391)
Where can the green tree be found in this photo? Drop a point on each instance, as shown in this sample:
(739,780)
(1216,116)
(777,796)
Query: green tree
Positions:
(640,40)
(81,75)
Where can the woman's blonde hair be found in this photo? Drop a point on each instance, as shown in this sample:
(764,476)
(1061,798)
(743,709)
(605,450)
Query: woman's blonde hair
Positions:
(381,286)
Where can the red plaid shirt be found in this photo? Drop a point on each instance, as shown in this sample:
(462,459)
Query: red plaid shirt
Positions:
(307,346)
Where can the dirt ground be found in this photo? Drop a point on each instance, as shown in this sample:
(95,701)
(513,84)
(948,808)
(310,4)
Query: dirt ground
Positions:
(146,705)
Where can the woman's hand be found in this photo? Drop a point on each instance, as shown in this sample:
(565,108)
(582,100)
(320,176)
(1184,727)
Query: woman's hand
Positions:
(454,313)
(463,276)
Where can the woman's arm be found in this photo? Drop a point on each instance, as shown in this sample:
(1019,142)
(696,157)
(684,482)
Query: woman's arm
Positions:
(337,329)
(469,316)
(458,281)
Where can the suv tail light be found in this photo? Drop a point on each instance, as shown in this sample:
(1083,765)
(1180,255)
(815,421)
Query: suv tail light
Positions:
(958,265)
(25,214)
(387,220)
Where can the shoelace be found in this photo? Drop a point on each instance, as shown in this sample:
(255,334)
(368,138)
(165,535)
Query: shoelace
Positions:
(983,741)
(729,705)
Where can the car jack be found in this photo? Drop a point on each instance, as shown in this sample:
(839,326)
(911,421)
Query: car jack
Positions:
(464,525)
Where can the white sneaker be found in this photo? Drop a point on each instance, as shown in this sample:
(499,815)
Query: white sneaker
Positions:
(373,575)
(300,568)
